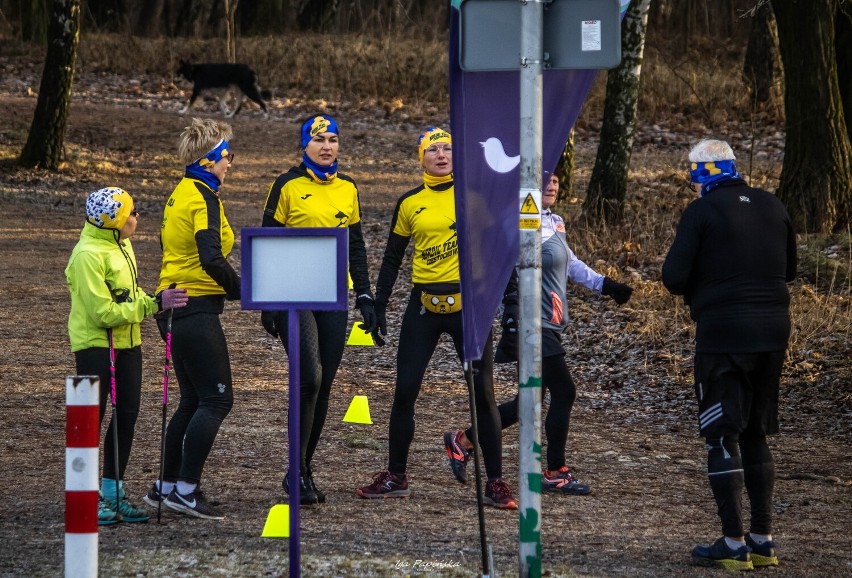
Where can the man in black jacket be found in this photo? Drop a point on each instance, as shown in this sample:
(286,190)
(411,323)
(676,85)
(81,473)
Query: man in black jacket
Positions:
(732,256)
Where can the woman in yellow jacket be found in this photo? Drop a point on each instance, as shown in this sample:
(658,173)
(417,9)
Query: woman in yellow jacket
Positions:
(106,297)
(197,239)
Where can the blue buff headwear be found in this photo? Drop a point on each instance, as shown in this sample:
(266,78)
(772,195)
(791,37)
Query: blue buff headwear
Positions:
(198,169)
(712,173)
(310,128)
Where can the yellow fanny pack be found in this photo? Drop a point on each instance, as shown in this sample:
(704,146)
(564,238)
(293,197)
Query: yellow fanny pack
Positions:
(450,303)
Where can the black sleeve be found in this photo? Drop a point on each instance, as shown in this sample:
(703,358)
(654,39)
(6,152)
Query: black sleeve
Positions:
(213,262)
(677,268)
(358,268)
(391,262)
(272,201)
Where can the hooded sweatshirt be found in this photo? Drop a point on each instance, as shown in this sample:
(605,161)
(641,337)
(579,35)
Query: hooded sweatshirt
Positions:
(100,267)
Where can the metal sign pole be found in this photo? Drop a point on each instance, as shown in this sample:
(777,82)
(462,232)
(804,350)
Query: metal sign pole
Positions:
(529,275)
(294,424)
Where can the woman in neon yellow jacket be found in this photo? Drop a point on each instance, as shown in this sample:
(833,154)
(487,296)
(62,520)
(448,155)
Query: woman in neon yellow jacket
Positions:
(105,296)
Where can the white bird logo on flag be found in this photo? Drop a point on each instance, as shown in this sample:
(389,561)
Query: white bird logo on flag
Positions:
(496,157)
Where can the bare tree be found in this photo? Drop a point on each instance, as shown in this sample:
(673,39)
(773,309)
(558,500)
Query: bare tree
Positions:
(608,184)
(816,180)
(843,44)
(761,66)
(47,131)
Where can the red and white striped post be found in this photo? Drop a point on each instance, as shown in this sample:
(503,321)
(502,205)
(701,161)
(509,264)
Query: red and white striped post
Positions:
(81,476)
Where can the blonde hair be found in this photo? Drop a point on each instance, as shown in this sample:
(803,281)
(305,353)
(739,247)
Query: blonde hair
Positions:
(200,137)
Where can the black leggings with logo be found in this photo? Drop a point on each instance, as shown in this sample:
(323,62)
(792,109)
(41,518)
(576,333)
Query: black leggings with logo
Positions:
(203,370)
(322,338)
(418,339)
(556,378)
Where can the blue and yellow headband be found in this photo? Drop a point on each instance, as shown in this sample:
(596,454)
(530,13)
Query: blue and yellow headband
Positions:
(429,137)
(219,152)
(709,174)
(317,125)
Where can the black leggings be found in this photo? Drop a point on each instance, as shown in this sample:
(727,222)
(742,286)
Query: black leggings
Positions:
(322,337)
(738,460)
(418,339)
(203,370)
(557,379)
(128,386)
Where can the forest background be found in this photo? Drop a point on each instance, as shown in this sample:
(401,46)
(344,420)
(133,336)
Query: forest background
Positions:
(380,67)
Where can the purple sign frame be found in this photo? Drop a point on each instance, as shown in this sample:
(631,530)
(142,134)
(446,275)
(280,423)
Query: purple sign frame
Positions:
(340,300)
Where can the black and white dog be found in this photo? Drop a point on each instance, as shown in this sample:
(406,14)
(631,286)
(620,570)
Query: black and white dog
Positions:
(220,79)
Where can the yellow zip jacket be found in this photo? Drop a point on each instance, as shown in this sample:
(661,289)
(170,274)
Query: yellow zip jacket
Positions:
(196,239)
(99,268)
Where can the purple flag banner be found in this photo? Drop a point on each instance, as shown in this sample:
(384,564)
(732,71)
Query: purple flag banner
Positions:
(485,124)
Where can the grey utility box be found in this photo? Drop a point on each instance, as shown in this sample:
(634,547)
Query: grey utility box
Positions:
(577,34)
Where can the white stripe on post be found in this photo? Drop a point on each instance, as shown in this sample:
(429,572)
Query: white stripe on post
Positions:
(81,476)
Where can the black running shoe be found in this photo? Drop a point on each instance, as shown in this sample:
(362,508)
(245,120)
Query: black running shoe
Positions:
(457,454)
(153,497)
(307,494)
(762,555)
(719,554)
(320,494)
(499,495)
(386,485)
(563,481)
(193,504)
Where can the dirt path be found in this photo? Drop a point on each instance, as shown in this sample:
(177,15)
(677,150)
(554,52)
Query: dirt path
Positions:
(633,436)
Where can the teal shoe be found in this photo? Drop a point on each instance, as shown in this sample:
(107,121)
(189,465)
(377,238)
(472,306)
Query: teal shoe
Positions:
(106,515)
(127,512)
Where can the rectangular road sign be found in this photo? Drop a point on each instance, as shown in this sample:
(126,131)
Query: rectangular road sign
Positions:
(577,34)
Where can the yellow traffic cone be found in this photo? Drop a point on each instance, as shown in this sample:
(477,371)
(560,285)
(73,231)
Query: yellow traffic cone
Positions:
(359,337)
(359,411)
(277,522)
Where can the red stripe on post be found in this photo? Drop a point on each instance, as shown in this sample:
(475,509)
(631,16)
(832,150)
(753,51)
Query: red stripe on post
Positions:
(81,512)
(82,426)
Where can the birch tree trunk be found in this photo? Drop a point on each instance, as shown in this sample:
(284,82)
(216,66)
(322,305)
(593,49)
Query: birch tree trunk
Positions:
(608,183)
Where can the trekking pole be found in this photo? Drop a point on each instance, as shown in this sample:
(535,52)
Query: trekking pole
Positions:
(474,426)
(166,366)
(114,420)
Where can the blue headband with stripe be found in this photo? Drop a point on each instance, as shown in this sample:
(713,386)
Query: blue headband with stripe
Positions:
(710,174)
(317,125)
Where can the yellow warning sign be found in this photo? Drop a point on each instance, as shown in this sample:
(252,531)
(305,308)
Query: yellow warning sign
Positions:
(529,207)
(530,223)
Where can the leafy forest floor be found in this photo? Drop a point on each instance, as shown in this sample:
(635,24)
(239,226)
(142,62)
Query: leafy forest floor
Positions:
(633,432)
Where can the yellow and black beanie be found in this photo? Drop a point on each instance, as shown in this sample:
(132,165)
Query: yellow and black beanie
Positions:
(108,208)
(429,137)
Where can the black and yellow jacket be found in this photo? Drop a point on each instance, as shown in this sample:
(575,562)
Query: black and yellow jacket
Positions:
(428,215)
(196,239)
(297,200)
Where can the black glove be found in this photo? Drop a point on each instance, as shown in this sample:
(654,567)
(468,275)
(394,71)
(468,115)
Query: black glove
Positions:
(271,321)
(507,347)
(381,323)
(618,291)
(368,313)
